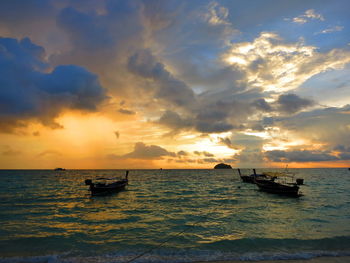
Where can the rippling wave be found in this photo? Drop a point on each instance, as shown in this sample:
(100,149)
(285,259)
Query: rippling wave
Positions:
(49,216)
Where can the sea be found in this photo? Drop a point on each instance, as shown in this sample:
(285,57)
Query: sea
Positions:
(171,216)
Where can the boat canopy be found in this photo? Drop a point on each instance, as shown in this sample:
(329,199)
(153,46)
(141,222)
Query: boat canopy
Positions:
(104,178)
(278,174)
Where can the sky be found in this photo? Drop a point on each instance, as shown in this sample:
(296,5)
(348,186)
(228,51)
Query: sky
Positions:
(114,84)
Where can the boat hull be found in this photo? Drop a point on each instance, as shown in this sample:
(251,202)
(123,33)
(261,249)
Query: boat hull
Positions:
(98,189)
(277,188)
(248,179)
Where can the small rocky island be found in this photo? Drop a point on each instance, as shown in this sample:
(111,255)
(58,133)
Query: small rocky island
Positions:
(222,166)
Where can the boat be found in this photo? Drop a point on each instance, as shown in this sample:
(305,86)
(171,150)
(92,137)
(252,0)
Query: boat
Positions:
(250,178)
(102,187)
(280,184)
(59,169)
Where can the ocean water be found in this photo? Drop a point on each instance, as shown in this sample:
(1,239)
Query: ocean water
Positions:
(170,216)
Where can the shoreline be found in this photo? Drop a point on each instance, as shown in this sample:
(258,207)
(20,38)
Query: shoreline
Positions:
(335,259)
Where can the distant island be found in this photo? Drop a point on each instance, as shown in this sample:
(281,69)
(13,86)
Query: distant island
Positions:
(59,169)
(222,166)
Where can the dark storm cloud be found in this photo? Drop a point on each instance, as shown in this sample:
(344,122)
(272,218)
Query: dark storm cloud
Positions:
(27,91)
(300,156)
(262,105)
(76,86)
(174,120)
(217,127)
(144,64)
(291,103)
(212,114)
(143,151)
(222,115)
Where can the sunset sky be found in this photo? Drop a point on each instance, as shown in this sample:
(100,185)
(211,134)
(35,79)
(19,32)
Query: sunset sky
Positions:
(174,84)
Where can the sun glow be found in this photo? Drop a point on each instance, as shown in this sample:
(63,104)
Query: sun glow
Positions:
(211,145)
(236,60)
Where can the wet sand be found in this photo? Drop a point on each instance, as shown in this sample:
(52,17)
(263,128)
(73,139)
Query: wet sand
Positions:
(312,260)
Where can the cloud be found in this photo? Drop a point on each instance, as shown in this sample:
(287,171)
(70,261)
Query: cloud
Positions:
(129,36)
(216,14)
(29,90)
(143,151)
(291,103)
(204,153)
(250,148)
(166,86)
(331,30)
(343,152)
(217,127)
(227,141)
(262,105)
(300,156)
(182,153)
(208,117)
(273,65)
(181,64)
(96,36)
(20,12)
(307,16)
(314,136)
(126,111)
(134,49)
(174,120)
(319,125)
(218,112)
(210,160)
(49,153)
(9,151)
